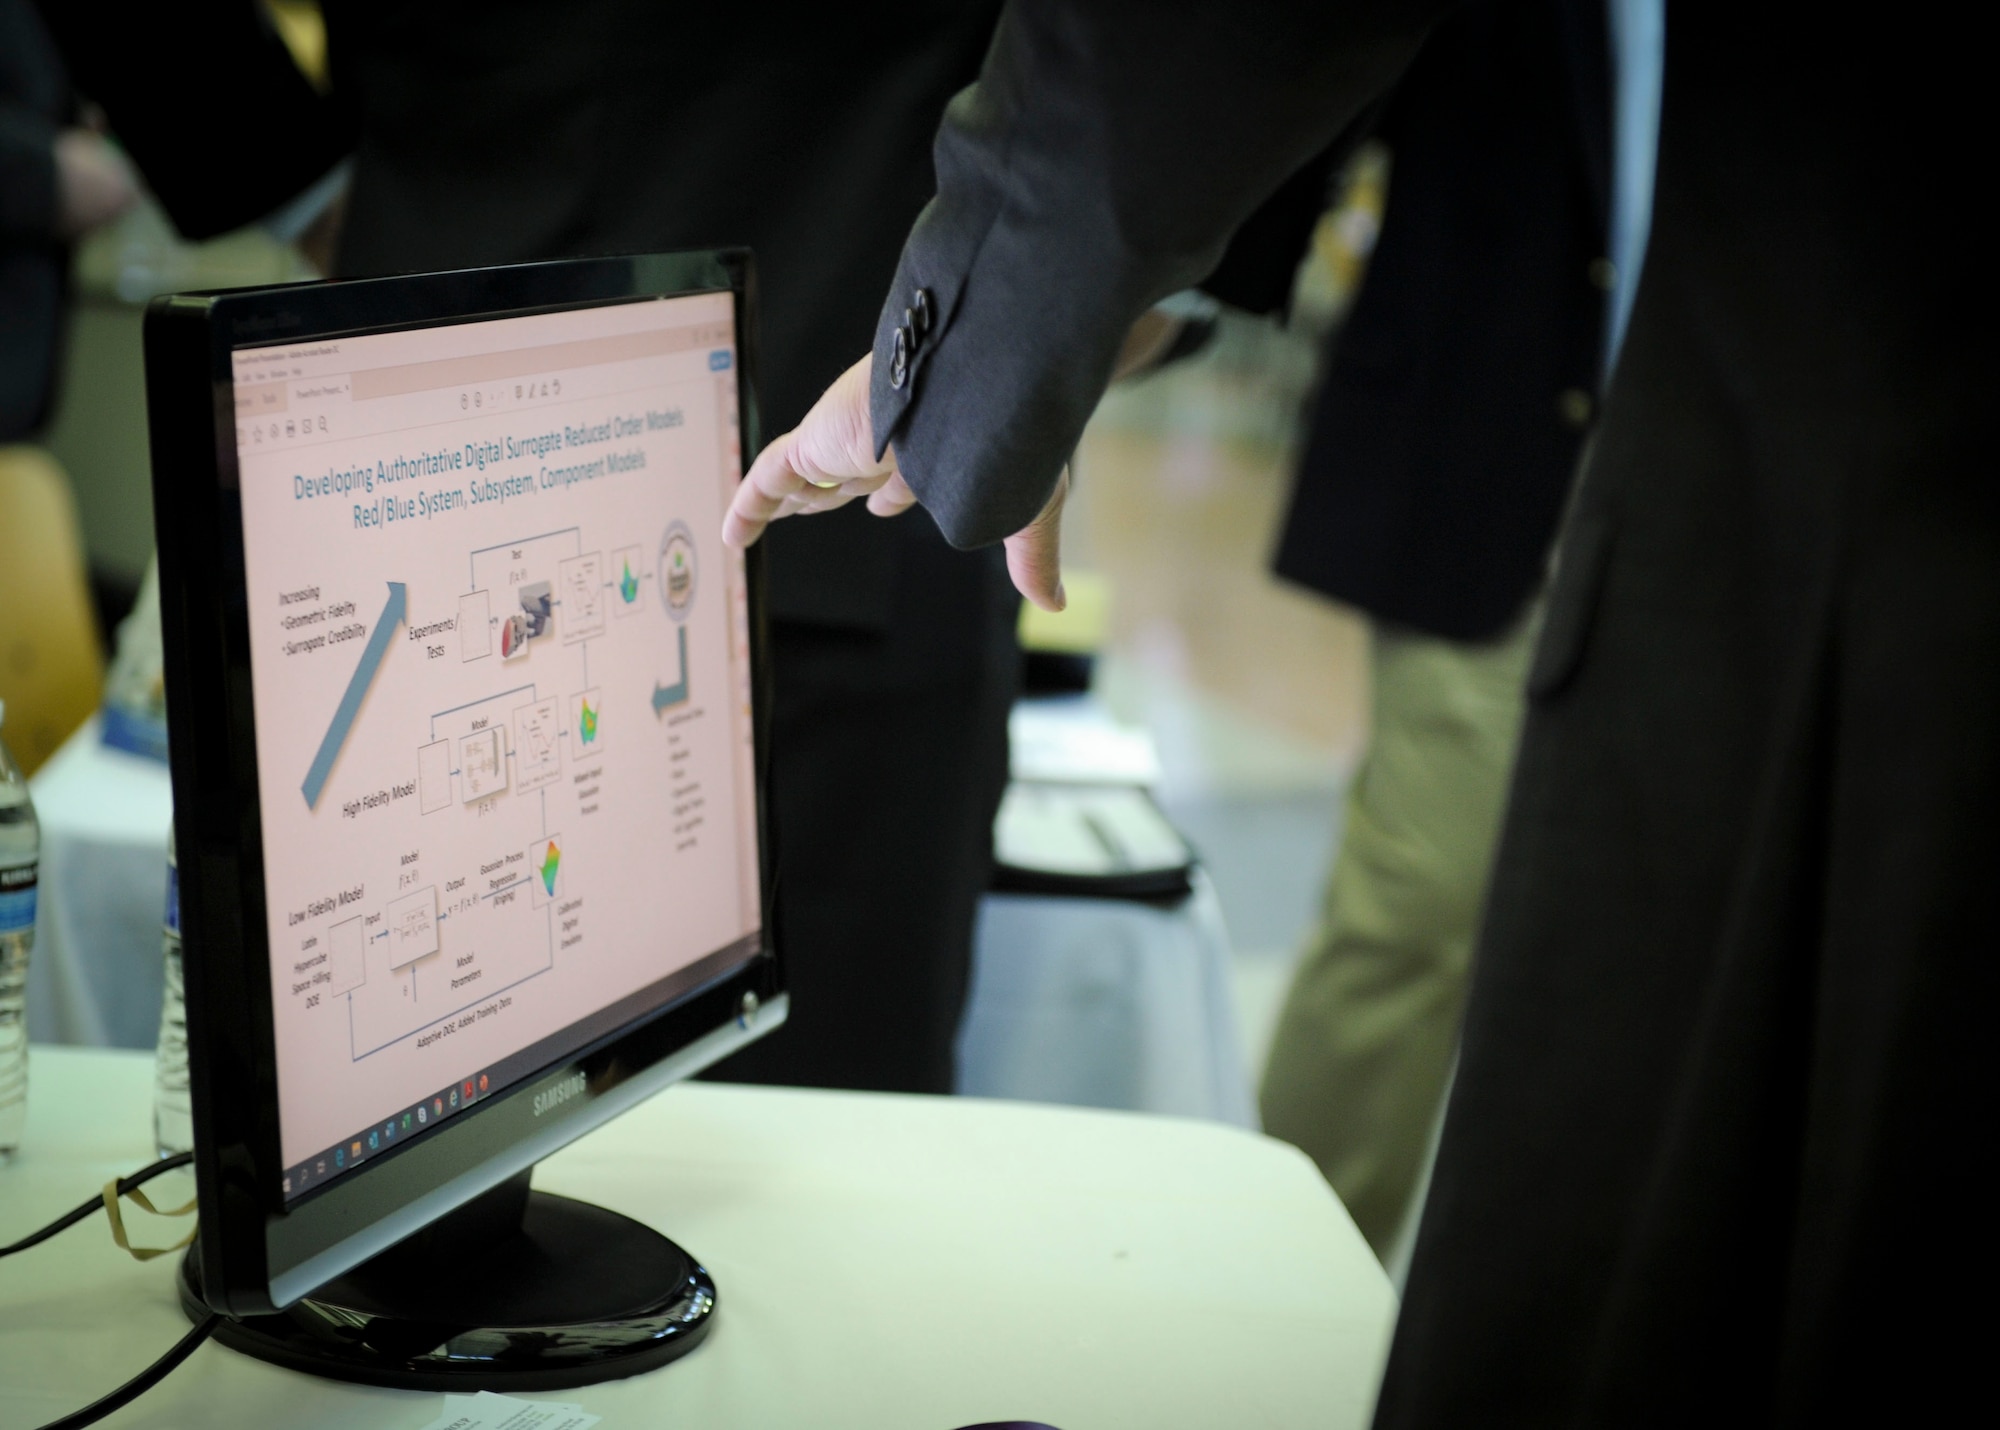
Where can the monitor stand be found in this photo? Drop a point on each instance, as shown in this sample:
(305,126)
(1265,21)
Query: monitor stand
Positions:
(516,1290)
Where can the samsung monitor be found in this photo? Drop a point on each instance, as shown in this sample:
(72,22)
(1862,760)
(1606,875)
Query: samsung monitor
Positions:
(465,699)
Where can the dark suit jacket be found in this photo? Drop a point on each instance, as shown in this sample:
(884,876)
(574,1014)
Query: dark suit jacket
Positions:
(1728,1035)
(1458,390)
(218,154)
(207,101)
(34,103)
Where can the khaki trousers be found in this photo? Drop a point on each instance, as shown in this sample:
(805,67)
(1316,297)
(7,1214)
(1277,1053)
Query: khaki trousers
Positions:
(1364,1043)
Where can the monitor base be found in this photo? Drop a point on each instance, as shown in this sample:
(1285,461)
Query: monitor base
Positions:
(518,1290)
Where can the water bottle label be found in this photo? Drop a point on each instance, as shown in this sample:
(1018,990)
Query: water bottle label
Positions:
(17,898)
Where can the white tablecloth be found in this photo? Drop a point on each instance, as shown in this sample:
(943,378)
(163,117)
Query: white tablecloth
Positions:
(884,1263)
(96,974)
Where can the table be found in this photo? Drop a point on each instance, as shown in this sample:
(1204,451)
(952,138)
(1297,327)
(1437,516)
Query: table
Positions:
(96,975)
(883,1262)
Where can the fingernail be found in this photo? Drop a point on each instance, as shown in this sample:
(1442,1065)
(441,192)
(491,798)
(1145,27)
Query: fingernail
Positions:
(1062,597)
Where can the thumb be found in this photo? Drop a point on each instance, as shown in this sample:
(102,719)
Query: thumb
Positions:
(1034,553)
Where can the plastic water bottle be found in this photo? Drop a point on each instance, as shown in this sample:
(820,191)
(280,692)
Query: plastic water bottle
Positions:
(20,857)
(173,1111)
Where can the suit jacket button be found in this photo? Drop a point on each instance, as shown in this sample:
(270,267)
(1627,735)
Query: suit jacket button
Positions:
(920,312)
(899,359)
(916,328)
(1576,407)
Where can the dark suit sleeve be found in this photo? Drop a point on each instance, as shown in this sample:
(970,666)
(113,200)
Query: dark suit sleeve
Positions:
(206,99)
(1101,162)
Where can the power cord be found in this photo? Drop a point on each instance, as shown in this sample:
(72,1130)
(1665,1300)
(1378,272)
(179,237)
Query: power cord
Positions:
(125,1184)
(139,1384)
(158,1371)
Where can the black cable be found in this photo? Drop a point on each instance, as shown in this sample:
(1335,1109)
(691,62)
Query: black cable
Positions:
(96,1203)
(158,1371)
(139,1384)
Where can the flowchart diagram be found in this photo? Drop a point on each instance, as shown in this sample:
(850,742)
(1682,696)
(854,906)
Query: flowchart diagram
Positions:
(450,938)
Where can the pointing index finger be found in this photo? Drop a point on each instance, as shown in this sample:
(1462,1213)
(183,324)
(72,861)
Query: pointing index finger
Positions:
(761,497)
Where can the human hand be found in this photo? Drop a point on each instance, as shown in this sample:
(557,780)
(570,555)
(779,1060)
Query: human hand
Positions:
(1146,343)
(829,459)
(825,462)
(94,182)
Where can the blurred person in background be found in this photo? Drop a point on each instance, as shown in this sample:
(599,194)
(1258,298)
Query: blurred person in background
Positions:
(1456,399)
(497,133)
(1728,1023)
(58,180)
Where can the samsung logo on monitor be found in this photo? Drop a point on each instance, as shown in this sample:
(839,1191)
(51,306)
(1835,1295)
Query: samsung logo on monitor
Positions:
(549,1099)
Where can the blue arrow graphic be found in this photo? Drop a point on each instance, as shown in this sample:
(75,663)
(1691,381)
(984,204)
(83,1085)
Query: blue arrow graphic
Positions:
(665,695)
(350,703)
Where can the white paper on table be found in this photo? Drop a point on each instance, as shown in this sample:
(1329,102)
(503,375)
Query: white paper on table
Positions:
(1085,831)
(487,1411)
(1076,741)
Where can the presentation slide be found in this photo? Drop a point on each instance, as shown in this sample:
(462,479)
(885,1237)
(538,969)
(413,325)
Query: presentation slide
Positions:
(501,666)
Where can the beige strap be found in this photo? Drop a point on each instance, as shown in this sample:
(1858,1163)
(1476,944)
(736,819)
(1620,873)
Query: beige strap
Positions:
(116,1214)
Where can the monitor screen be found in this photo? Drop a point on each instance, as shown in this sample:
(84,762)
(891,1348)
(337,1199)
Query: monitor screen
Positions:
(501,669)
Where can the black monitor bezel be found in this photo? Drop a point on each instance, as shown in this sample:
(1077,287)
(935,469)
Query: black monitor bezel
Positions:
(248,1237)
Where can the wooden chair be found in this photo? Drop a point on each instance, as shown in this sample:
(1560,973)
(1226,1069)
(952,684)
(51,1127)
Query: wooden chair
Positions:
(51,666)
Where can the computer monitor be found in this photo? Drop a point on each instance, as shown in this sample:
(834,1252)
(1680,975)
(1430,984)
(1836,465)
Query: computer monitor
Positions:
(464,697)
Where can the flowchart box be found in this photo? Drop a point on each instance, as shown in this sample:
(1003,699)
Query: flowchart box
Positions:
(482,765)
(475,625)
(412,925)
(346,944)
(434,776)
(581,583)
(537,745)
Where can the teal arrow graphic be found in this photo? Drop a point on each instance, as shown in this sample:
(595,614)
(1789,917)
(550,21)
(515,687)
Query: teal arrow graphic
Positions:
(665,695)
(350,703)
